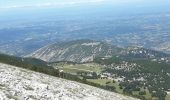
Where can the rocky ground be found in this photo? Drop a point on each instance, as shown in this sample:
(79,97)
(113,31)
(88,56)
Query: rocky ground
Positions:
(22,84)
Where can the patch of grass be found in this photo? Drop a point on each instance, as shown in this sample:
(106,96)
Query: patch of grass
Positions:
(68,70)
(104,81)
(99,81)
(147,96)
(116,85)
(88,67)
(167,97)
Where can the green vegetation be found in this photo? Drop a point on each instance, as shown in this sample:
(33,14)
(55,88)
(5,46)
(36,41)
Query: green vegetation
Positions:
(154,73)
(108,61)
(155,84)
(110,83)
(74,68)
(28,63)
(143,92)
(146,68)
(167,97)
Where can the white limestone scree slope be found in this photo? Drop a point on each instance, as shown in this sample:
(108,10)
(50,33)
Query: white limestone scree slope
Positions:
(22,84)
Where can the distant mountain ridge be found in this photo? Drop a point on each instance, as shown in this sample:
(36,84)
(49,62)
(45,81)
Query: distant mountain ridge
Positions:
(76,51)
(86,50)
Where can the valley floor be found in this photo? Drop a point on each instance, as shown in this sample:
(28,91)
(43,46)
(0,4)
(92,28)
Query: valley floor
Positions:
(20,84)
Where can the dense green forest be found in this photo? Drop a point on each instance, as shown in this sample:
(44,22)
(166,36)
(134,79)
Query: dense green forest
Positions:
(155,74)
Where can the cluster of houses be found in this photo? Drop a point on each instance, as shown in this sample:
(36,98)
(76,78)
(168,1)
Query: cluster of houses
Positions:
(123,65)
(111,76)
(161,60)
(105,75)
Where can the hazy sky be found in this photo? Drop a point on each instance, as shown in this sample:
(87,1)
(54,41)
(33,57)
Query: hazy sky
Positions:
(8,4)
(12,9)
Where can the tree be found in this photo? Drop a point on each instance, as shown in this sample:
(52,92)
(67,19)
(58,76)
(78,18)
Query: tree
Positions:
(142,93)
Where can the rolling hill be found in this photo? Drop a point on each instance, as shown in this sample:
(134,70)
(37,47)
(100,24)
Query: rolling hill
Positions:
(76,51)
(86,50)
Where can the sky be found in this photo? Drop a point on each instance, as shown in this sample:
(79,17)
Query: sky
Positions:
(12,9)
(10,4)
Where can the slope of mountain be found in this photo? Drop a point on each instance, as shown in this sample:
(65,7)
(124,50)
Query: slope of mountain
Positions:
(76,51)
(87,50)
(17,83)
(19,61)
